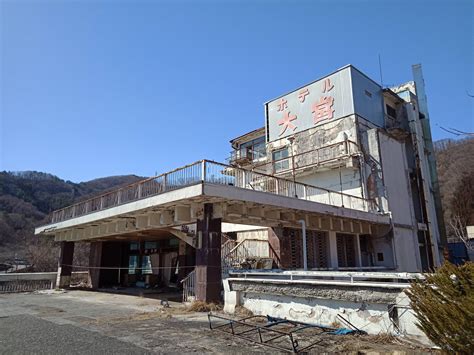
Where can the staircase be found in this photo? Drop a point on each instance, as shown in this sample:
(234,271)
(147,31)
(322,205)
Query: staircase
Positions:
(234,254)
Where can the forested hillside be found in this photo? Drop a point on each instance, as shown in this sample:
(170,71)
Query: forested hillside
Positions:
(455,163)
(27,197)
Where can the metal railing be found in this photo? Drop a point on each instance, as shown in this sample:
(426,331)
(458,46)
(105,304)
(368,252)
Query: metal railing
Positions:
(32,281)
(377,278)
(23,282)
(311,158)
(246,155)
(213,173)
(189,285)
(247,248)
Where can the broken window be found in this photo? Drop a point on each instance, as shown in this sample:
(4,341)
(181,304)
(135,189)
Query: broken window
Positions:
(391,111)
(254,149)
(281,161)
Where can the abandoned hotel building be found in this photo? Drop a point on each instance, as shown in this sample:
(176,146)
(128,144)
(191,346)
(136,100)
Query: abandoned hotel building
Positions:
(341,182)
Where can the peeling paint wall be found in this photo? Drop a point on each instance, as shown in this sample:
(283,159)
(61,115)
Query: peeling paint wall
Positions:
(323,135)
(365,307)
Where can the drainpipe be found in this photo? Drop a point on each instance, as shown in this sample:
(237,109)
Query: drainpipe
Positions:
(394,253)
(305,256)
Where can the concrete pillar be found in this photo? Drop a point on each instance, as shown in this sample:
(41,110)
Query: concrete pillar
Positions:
(333,263)
(208,258)
(66,256)
(358,256)
(95,262)
(181,260)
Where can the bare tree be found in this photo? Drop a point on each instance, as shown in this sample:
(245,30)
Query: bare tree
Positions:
(458,228)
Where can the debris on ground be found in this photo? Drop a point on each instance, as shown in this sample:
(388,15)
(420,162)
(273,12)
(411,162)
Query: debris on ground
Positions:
(200,306)
(55,291)
(242,311)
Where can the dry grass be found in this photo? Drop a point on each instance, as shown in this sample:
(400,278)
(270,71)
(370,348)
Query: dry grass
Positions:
(200,306)
(382,338)
(242,311)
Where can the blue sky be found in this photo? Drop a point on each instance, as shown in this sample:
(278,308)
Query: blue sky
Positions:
(98,88)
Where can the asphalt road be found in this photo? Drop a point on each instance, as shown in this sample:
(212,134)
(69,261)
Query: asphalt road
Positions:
(82,322)
(25,334)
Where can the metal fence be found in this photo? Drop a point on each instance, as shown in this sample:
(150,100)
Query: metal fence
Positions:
(189,287)
(213,173)
(33,281)
(23,282)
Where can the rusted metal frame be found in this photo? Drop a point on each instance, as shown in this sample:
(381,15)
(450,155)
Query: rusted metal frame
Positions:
(357,330)
(259,329)
(242,322)
(310,345)
(261,341)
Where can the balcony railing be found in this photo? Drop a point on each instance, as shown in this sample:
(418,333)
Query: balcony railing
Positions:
(321,156)
(213,173)
(246,155)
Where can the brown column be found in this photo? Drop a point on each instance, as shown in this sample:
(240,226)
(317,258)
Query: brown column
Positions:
(66,255)
(208,258)
(181,260)
(95,261)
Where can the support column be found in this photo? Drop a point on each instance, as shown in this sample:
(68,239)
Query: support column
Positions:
(66,256)
(208,258)
(358,256)
(95,261)
(333,250)
(181,260)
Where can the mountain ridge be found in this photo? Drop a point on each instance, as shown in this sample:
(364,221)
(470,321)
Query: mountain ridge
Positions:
(27,197)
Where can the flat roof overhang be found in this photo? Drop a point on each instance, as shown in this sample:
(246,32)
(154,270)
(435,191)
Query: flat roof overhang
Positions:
(232,204)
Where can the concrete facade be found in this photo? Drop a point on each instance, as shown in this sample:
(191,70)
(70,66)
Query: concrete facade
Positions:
(379,152)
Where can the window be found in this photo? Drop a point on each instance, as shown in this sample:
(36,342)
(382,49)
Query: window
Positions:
(279,161)
(379,256)
(151,245)
(254,149)
(368,93)
(146,265)
(259,149)
(391,111)
(132,264)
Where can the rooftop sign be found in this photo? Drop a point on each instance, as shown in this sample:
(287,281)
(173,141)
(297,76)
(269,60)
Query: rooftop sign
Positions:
(324,100)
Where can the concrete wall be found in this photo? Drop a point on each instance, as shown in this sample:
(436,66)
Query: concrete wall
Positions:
(396,178)
(320,136)
(349,180)
(367,96)
(365,307)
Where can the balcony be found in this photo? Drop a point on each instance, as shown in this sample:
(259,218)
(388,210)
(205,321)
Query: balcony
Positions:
(325,157)
(212,173)
(246,156)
